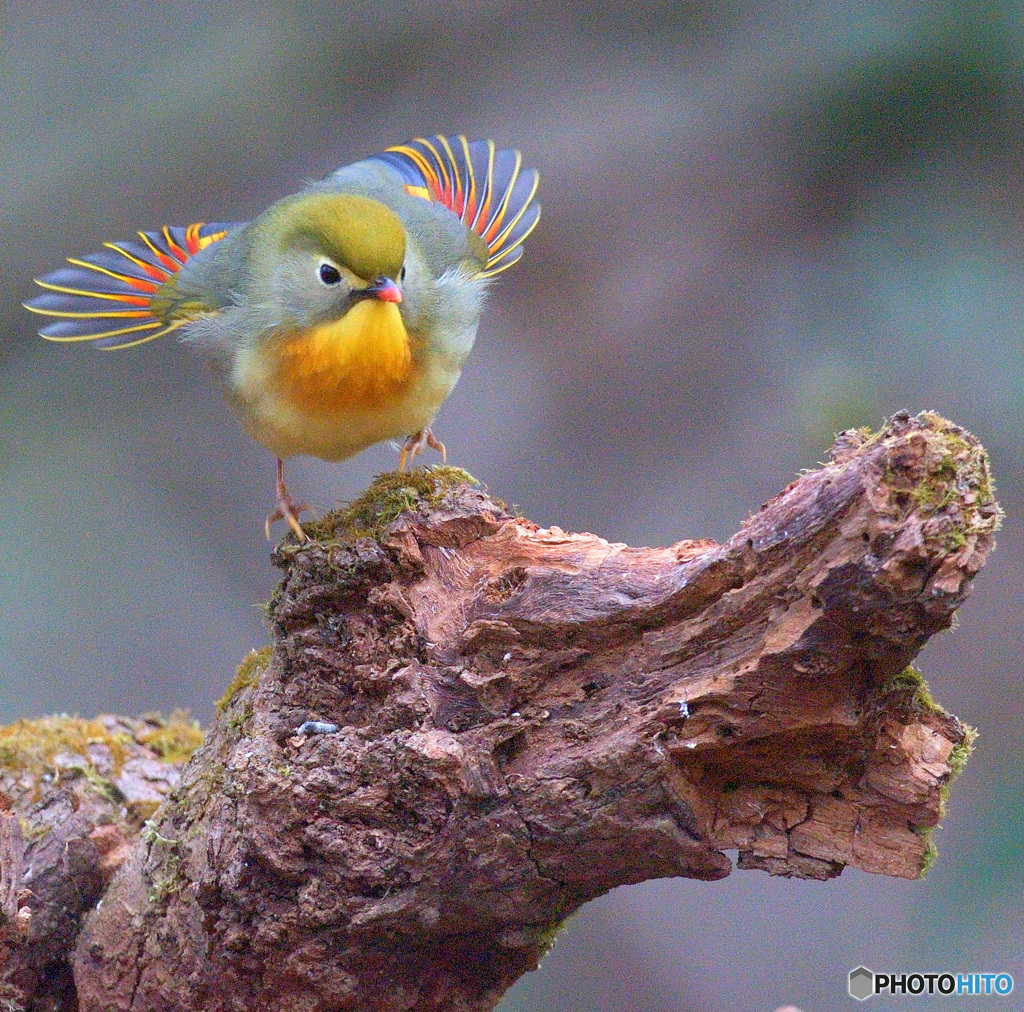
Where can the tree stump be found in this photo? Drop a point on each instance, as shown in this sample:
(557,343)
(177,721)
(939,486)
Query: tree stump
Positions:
(468,726)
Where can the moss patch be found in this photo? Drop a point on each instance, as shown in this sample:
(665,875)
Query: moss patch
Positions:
(32,745)
(172,878)
(956,762)
(388,496)
(174,738)
(911,682)
(252,666)
(106,788)
(929,857)
(547,935)
(961,753)
(907,680)
(58,747)
(956,480)
(239,720)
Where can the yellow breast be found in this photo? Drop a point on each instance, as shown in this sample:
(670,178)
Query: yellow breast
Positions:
(358,362)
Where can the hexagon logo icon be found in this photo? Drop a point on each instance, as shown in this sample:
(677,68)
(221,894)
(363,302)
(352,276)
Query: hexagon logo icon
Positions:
(861,984)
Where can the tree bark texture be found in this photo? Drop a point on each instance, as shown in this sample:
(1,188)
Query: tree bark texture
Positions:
(74,795)
(500,722)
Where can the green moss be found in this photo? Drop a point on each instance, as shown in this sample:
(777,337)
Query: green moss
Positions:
(170,882)
(252,666)
(547,935)
(924,699)
(174,738)
(956,762)
(935,492)
(31,745)
(956,482)
(239,720)
(104,787)
(954,540)
(909,679)
(911,682)
(962,753)
(151,835)
(172,878)
(931,853)
(388,496)
(34,833)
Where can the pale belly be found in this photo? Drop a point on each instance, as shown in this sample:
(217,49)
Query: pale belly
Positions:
(288,427)
(289,431)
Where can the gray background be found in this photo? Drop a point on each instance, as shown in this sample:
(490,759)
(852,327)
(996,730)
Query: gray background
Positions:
(761,224)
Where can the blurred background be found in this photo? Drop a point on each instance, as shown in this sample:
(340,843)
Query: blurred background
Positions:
(762,224)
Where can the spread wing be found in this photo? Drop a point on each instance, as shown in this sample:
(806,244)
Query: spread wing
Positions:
(113,297)
(488,189)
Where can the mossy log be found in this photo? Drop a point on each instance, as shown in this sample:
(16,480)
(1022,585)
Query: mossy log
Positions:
(74,796)
(468,726)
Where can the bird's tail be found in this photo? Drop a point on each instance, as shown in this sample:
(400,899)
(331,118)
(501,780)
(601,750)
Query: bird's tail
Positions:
(106,297)
(488,189)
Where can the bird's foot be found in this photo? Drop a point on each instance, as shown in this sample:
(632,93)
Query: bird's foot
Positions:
(417,443)
(286,509)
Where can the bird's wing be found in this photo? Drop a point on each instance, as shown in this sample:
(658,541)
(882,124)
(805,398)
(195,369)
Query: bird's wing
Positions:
(117,297)
(488,189)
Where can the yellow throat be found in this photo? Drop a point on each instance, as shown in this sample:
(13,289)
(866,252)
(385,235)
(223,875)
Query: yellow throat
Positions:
(360,361)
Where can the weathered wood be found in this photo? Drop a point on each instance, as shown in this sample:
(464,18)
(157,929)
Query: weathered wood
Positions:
(509,721)
(73,796)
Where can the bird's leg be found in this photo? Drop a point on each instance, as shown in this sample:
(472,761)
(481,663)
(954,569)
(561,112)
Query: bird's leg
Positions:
(415,444)
(286,509)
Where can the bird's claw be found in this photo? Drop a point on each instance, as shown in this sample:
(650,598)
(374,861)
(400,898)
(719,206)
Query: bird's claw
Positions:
(290,513)
(286,509)
(415,445)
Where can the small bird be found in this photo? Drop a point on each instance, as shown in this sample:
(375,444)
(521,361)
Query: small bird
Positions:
(339,317)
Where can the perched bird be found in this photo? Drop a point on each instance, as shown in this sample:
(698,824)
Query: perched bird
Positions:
(341,316)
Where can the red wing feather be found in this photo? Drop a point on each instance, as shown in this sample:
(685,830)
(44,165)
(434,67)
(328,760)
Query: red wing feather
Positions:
(488,189)
(105,297)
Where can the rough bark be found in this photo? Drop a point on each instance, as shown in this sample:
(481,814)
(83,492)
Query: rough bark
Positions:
(513,720)
(74,795)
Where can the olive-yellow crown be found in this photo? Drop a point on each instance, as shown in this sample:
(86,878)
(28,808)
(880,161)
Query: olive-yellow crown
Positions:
(354,231)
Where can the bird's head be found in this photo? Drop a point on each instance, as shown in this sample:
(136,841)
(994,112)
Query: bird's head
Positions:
(315,256)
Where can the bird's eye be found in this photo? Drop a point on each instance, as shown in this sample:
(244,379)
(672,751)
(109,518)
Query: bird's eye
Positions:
(401,273)
(329,274)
